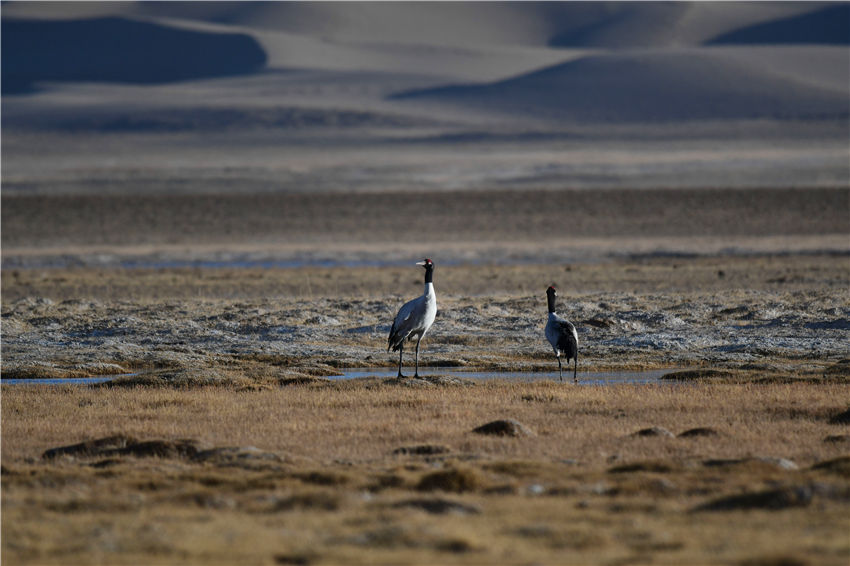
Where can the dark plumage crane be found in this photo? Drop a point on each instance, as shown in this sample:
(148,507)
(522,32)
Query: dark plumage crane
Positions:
(562,335)
(414,318)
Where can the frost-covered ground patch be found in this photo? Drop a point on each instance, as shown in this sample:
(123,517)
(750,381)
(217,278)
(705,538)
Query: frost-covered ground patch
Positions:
(616,330)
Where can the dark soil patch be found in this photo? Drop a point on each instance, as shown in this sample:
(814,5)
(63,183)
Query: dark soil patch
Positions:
(439,506)
(651,466)
(699,432)
(696,374)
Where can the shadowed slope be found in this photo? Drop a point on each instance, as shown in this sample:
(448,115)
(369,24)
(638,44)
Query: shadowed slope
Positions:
(120,50)
(827,26)
(678,24)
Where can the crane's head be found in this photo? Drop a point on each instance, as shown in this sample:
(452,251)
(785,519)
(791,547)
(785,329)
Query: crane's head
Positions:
(426,263)
(551,292)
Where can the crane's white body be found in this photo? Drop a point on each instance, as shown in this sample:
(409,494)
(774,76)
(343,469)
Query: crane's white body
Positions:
(415,317)
(562,335)
(556,328)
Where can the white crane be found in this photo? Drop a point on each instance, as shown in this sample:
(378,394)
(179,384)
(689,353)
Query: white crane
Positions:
(414,318)
(562,335)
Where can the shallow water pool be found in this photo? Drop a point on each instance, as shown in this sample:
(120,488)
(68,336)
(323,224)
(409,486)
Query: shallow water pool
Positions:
(584,378)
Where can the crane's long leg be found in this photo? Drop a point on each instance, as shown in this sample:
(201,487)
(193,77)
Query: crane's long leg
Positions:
(416,372)
(575,369)
(400,354)
(560,372)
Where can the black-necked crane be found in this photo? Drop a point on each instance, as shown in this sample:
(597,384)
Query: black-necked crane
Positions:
(414,318)
(562,335)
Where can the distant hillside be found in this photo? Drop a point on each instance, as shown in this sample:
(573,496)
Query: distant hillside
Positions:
(572,24)
(648,86)
(119,50)
(572,61)
(528,24)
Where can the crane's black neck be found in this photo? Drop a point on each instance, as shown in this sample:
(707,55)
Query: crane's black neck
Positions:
(429,273)
(551,300)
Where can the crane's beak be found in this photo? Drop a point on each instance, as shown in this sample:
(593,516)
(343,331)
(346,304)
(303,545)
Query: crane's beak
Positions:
(422,263)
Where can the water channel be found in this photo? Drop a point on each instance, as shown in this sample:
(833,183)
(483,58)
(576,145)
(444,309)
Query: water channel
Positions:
(584,378)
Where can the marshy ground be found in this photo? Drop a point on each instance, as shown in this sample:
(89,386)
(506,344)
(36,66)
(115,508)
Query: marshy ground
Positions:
(255,326)
(228,445)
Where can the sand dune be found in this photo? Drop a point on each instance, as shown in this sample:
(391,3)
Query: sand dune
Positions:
(455,39)
(576,24)
(508,57)
(425,96)
(654,85)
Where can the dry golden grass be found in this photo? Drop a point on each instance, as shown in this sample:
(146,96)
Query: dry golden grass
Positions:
(377,472)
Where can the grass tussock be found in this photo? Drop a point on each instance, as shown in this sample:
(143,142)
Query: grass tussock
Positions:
(503,427)
(839,466)
(772,499)
(324,478)
(46,370)
(840,418)
(839,371)
(457,479)
(308,501)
